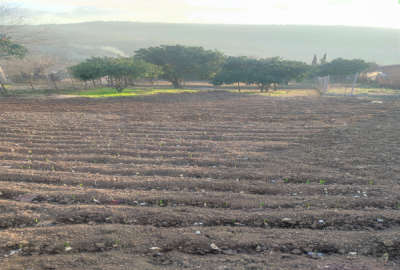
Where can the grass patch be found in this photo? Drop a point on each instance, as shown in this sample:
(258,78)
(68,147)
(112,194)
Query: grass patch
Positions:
(364,91)
(280,92)
(312,92)
(37,92)
(109,92)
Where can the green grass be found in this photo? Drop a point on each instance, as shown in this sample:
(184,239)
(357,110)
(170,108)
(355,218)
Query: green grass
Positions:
(361,91)
(279,92)
(109,92)
(38,92)
(312,92)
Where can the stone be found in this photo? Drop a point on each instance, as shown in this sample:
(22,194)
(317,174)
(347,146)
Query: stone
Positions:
(388,243)
(100,245)
(297,251)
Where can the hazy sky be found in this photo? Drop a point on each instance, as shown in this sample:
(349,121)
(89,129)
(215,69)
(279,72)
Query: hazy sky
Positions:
(376,13)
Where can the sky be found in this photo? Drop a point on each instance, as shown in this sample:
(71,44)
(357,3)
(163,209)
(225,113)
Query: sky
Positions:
(372,13)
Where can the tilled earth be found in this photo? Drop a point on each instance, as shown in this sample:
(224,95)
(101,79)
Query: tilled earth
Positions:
(211,180)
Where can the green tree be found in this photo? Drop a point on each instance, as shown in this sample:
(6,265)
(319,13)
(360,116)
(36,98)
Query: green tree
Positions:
(88,70)
(234,70)
(264,72)
(340,68)
(124,71)
(180,63)
(293,71)
(152,72)
(274,71)
(9,48)
(119,72)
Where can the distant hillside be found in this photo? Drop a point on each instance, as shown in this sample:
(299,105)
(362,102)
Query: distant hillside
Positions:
(78,41)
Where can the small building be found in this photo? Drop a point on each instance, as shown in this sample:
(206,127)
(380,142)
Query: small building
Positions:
(389,76)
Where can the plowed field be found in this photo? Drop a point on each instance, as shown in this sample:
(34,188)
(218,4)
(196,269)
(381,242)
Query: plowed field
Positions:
(200,181)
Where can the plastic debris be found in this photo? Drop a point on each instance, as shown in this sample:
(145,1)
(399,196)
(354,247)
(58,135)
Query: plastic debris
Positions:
(13,252)
(214,247)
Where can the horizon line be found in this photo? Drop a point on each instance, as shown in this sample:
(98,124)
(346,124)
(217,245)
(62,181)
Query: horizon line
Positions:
(219,24)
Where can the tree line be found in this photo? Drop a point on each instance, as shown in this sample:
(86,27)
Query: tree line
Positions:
(178,63)
(262,72)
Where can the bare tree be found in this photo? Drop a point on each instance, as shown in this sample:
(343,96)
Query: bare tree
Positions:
(9,18)
(315,60)
(324,59)
(32,69)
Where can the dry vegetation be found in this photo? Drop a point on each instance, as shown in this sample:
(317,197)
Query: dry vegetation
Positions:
(212,180)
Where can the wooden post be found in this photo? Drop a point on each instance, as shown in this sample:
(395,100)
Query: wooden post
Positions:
(354,83)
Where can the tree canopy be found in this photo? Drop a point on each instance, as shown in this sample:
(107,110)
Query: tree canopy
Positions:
(342,67)
(119,72)
(180,63)
(263,72)
(234,70)
(9,48)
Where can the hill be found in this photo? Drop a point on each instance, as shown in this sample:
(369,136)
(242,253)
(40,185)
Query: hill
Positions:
(78,41)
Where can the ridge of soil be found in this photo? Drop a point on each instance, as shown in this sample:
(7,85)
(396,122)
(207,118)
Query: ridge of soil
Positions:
(211,180)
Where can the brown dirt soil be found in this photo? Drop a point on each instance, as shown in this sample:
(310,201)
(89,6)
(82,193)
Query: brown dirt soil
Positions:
(212,180)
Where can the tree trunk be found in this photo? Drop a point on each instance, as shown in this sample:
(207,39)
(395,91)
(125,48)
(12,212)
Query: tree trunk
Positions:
(177,83)
(238,86)
(3,81)
(3,89)
(94,83)
(354,83)
(31,84)
(261,87)
(73,85)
